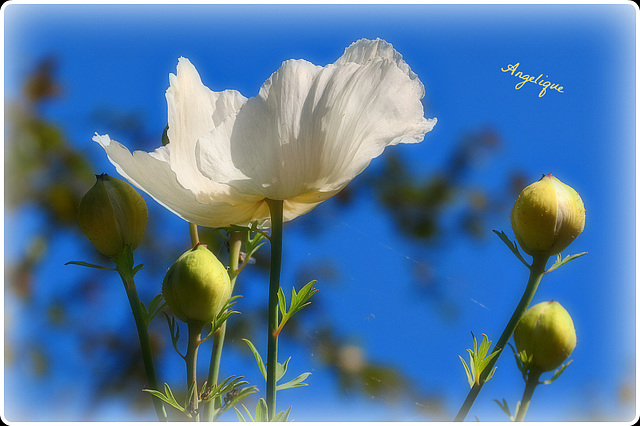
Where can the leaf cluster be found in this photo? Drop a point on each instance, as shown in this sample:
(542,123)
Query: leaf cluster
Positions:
(281,369)
(252,239)
(505,408)
(230,389)
(524,365)
(514,248)
(478,361)
(298,302)
(217,322)
(155,306)
(262,413)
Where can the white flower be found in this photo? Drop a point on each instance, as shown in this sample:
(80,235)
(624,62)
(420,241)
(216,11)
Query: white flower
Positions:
(307,134)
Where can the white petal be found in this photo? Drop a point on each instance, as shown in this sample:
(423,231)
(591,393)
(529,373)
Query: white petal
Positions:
(193,112)
(311,130)
(151,172)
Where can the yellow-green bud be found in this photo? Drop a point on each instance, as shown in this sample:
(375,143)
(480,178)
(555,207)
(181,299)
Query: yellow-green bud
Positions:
(196,286)
(547,216)
(545,332)
(112,215)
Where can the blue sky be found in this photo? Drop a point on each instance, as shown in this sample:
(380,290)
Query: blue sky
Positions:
(119,57)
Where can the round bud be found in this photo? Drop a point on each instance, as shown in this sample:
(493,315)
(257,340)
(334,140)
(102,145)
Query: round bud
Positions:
(547,216)
(196,286)
(545,332)
(112,215)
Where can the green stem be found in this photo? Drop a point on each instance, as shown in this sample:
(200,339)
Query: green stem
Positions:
(126,273)
(193,233)
(535,275)
(276,208)
(532,382)
(191,358)
(235,244)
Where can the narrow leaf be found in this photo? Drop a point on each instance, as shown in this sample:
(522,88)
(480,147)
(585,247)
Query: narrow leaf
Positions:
(239,414)
(282,416)
(512,246)
(157,394)
(261,366)
(281,369)
(155,303)
(282,303)
(285,417)
(261,411)
(301,299)
(484,346)
(505,408)
(248,413)
(466,369)
(490,375)
(557,374)
(89,265)
(295,383)
(560,262)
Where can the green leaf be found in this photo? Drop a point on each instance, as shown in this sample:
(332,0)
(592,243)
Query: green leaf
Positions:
(295,383)
(89,265)
(169,393)
(240,416)
(512,246)
(298,301)
(560,262)
(248,413)
(490,375)
(222,316)
(466,369)
(484,347)
(261,366)
(189,395)
(281,369)
(137,269)
(166,397)
(282,416)
(236,398)
(174,329)
(557,373)
(505,407)
(478,360)
(261,411)
(282,303)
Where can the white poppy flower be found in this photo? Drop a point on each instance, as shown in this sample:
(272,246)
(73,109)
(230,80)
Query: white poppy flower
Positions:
(307,134)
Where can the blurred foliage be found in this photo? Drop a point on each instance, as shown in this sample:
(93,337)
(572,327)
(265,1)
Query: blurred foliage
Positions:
(46,172)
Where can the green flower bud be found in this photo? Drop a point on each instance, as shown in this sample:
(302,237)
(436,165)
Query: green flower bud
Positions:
(112,215)
(547,216)
(196,286)
(545,332)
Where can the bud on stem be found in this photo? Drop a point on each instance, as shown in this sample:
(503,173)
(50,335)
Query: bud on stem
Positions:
(547,216)
(112,215)
(196,286)
(547,334)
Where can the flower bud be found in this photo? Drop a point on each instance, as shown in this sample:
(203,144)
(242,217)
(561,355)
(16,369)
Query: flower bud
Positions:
(545,332)
(547,216)
(112,215)
(196,286)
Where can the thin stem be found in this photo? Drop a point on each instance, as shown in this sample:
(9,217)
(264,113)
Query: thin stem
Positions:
(193,233)
(532,382)
(235,244)
(535,276)
(276,208)
(127,278)
(191,358)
